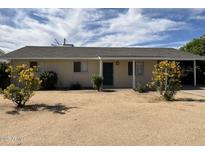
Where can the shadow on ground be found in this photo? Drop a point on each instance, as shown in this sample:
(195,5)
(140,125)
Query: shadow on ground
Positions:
(56,108)
(108,90)
(190,100)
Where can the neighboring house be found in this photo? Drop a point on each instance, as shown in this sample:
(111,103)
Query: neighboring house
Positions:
(1,53)
(120,67)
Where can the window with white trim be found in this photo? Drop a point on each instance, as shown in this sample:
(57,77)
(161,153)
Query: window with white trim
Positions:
(139,68)
(80,66)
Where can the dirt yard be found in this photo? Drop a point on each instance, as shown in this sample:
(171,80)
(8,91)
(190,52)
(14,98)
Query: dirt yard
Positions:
(86,117)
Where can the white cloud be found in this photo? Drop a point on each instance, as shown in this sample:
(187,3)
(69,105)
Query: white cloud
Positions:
(197,14)
(198,17)
(176,44)
(131,27)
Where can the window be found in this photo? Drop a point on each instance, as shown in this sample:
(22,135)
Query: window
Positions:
(77,67)
(80,66)
(139,68)
(32,64)
(84,66)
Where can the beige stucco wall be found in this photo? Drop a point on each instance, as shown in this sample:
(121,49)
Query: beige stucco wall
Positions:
(121,77)
(66,76)
(64,69)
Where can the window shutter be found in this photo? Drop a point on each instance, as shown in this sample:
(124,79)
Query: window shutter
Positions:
(129,68)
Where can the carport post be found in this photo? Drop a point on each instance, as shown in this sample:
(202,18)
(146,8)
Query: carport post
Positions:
(133,75)
(194,72)
(100,67)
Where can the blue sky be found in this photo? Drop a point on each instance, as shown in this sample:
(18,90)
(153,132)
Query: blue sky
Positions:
(100,27)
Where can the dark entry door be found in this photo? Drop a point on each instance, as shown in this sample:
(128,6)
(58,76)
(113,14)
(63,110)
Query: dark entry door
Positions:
(108,74)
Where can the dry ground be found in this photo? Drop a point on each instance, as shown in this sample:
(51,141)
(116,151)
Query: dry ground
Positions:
(86,117)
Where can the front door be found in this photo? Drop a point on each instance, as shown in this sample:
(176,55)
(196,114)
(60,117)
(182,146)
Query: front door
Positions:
(108,74)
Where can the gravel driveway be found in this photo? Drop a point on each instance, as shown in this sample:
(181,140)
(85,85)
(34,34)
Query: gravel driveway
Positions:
(87,117)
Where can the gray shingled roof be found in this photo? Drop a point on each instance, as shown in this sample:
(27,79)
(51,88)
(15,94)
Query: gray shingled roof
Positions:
(49,52)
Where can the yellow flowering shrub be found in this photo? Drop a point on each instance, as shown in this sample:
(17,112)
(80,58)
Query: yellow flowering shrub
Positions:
(166,78)
(26,81)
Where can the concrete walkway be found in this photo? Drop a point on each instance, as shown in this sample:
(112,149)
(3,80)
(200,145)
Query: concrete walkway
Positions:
(195,90)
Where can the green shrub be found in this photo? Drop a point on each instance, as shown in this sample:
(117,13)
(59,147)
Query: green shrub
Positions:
(26,82)
(49,80)
(141,88)
(75,86)
(4,76)
(97,82)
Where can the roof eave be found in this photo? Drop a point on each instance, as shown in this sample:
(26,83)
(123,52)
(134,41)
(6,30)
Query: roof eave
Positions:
(102,58)
(151,58)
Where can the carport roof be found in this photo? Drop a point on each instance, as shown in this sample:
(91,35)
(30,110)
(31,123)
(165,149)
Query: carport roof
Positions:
(63,52)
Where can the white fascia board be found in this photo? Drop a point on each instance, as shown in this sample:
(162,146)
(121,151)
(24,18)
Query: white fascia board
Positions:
(56,58)
(149,58)
(4,61)
(105,58)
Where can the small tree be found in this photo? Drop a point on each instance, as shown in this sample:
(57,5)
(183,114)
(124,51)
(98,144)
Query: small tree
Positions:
(26,81)
(166,78)
(97,82)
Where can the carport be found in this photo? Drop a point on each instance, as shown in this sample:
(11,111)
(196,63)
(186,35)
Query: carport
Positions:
(193,72)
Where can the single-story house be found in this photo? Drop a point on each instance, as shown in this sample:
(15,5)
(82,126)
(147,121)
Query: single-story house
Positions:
(120,67)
